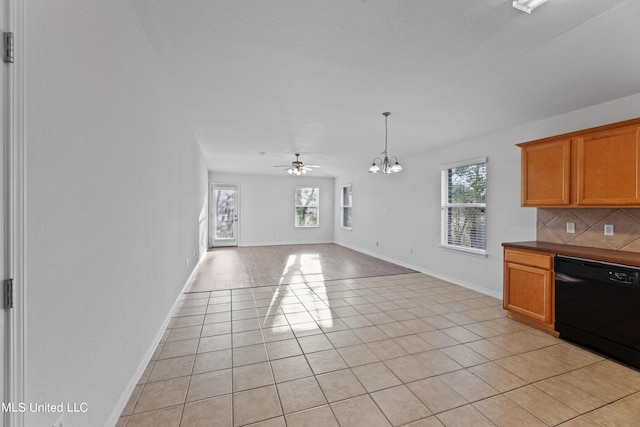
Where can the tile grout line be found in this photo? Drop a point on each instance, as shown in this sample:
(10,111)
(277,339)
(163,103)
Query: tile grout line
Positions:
(351,329)
(266,349)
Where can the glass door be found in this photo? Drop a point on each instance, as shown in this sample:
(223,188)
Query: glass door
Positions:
(224,214)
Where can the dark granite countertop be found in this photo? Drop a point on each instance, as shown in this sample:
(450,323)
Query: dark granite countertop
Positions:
(605,255)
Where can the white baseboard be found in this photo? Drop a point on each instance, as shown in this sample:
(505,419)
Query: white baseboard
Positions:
(435,274)
(283,243)
(124,398)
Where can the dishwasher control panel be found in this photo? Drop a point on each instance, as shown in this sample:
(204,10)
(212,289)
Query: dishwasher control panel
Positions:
(591,270)
(622,277)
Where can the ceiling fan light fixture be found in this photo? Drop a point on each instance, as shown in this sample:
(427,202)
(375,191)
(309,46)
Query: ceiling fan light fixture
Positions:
(297,167)
(527,5)
(385,165)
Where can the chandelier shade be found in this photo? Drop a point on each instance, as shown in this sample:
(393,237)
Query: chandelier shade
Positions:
(385,165)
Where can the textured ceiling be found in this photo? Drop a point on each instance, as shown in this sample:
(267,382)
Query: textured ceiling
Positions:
(313,77)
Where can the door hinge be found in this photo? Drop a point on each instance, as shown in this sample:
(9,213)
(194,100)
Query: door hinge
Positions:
(7,47)
(8,293)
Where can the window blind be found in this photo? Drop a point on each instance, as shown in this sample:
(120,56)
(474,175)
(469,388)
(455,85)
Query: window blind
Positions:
(463,206)
(346,204)
(307,202)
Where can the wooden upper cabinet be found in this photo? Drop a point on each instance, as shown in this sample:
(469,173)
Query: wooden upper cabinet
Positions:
(546,173)
(598,167)
(608,167)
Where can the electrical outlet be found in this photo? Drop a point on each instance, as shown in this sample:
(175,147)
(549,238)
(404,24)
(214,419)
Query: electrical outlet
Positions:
(608,229)
(187,262)
(571,227)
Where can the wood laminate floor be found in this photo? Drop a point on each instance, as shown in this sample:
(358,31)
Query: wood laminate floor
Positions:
(243,267)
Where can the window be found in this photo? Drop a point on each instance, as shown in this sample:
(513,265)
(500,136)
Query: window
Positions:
(307,204)
(463,207)
(345,203)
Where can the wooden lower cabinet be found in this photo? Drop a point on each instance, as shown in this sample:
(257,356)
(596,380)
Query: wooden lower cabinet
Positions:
(529,288)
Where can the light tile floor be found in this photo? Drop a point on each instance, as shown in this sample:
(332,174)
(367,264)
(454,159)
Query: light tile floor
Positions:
(405,349)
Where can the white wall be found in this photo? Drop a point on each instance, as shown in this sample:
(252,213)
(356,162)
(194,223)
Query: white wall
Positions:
(267,209)
(116,199)
(401,212)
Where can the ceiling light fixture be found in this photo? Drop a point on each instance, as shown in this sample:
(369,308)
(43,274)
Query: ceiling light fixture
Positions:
(527,5)
(297,167)
(297,170)
(385,165)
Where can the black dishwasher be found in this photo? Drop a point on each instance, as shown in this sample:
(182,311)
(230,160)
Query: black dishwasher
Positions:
(598,306)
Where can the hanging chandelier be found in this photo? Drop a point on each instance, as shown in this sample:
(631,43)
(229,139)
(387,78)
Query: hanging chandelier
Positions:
(385,165)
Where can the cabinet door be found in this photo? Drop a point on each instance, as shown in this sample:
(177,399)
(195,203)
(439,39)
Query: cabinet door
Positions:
(529,291)
(546,168)
(608,168)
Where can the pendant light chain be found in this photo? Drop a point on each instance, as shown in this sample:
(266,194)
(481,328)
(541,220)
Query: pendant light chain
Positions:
(386,131)
(385,165)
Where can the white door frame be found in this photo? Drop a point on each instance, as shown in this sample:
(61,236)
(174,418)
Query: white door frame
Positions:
(5,226)
(212,212)
(14,176)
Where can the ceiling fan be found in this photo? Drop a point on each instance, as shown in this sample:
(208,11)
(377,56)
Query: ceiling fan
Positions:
(297,167)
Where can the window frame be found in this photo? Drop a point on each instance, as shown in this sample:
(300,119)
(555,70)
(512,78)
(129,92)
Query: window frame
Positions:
(296,206)
(343,206)
(445,205)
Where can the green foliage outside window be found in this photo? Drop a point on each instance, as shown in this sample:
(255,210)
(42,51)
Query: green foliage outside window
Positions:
(465,208)
(307,204)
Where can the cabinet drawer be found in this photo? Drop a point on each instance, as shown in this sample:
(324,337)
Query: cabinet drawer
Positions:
(534,259)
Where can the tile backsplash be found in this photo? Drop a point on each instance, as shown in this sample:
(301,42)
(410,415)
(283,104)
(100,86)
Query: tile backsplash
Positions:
(589,226)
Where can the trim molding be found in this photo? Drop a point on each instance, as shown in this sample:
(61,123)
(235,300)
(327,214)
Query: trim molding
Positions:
(126,394)
(320,242)
(581,132)
(16,173)
(435,274)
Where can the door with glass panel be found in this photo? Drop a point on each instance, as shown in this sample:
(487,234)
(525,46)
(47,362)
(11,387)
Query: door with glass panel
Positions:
(224,214)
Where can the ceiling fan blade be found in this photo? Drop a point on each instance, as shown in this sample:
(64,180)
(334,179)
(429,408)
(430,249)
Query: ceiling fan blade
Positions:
(297,165)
